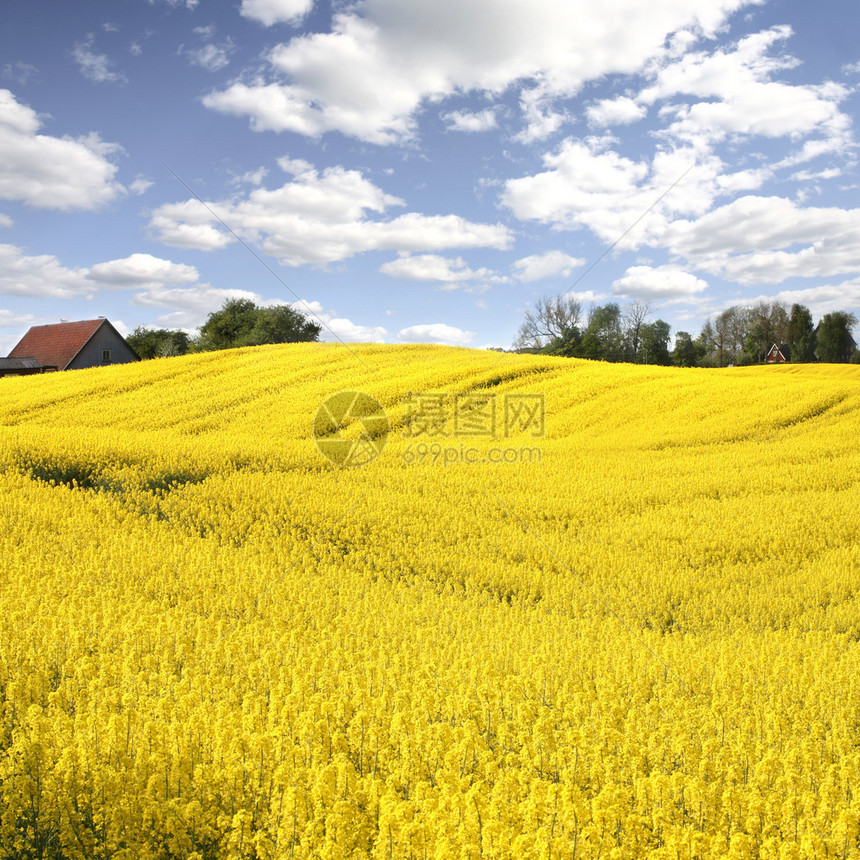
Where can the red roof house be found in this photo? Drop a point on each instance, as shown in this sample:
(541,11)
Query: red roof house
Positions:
(75,345)
(778,354)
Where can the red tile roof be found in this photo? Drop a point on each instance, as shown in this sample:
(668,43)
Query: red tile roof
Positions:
(56,345)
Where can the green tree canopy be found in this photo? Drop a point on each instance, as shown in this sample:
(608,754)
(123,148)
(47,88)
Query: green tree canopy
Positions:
(835,343)
(801,334)
(158,342)
(686,352)
(654,348)
(242,323)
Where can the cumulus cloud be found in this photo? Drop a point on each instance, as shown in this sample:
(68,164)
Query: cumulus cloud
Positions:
(271,12)
(737,95)
(50,172)
(39,276)
(588,184)
(552,264)
(336,327)
(8,319)
(471,122)
(436,333)
(708,100)
(319,218)
(43,276)
(415,51)
(663,282)
(620,111)
(96,67)
(212,56)
(188,306)
(825,298)
(770,239)
(140,269)
(5,220)
(434,268)
(140,185)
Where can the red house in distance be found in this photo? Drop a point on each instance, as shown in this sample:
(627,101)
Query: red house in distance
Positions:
(74,345)
(778,354)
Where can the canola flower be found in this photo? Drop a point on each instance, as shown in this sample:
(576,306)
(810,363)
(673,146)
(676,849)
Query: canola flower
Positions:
(216,644)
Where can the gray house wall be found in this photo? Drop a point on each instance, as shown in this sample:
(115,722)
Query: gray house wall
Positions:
(105,338)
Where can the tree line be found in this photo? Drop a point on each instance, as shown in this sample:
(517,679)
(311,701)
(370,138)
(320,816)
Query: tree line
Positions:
(737,336)
(239,322)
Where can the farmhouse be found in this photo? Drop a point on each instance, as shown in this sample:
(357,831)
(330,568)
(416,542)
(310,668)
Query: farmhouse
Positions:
(778,353)
(68,346)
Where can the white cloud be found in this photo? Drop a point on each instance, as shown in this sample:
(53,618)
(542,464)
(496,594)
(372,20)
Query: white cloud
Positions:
(825,298)
(739,97)
(5,220)
(95,67)
(252,177)
(212,57)
(709,99)
(769,239)
(549,265)
(813,175)
(347,330)
(121,327)
(471,122)
(438,269)
(39,277)
(436,333)
(188,225)
(43,276)
(588,184)
(19,72)
(271,12)
(319,218)
(663,282)
(13,320)
(541,119)
(140,269)
(619,111)
(335,327)
(189,305)
(49,172)
(188,4)
(140,185)
(403,53)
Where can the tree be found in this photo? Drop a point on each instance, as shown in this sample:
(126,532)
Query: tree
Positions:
(835,343)
(241,323)
(281,324)
(566,345)
(655,343)
(635,317)
(686,353)
(603,337)
(158,342)
(706,344)
(801,334)
(550,320)
(767,323)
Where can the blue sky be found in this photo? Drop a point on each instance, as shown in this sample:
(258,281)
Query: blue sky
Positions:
(424,170)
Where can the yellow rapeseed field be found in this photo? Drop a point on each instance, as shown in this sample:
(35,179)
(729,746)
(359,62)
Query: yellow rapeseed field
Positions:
(627,628)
